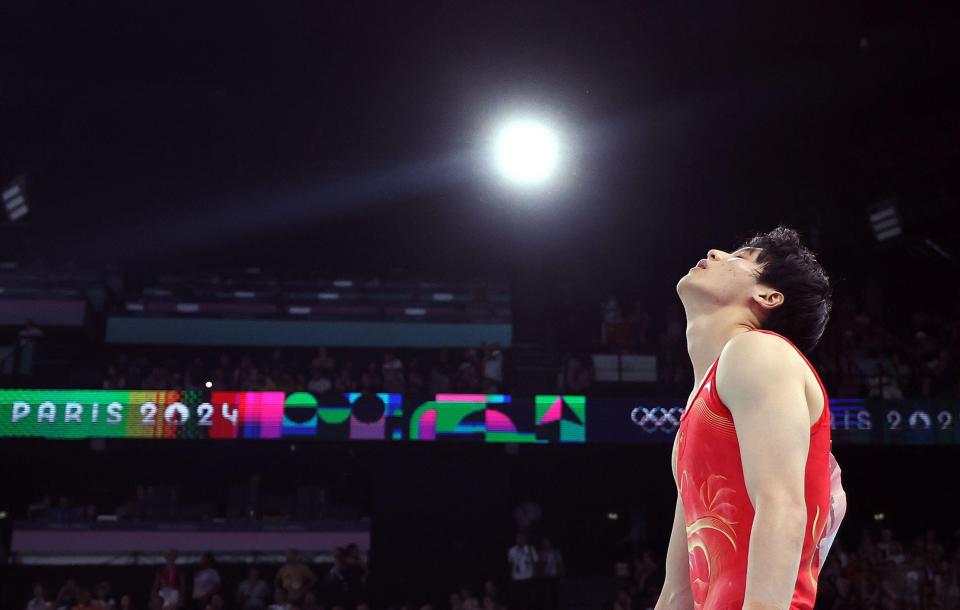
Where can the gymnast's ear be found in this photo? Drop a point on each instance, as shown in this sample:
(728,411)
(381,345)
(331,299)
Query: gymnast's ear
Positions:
(767,298)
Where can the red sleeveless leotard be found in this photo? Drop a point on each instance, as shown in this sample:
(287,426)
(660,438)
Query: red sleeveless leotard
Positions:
(719,514)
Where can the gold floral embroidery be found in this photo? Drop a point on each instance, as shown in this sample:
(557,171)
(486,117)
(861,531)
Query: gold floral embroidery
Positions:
(708,510)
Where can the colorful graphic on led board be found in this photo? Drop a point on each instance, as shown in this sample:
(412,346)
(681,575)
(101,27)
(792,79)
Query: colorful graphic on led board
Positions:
(340,417)
(72,414)
(466,418)
(171,414)
(495,418)
(561,419)
(481,418)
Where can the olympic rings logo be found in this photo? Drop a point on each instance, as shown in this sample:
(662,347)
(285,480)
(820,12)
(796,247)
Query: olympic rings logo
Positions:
(656,419)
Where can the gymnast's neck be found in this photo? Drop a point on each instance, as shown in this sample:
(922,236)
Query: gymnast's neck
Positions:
(709,331)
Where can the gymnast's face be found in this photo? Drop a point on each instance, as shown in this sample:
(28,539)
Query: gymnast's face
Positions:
(724,278)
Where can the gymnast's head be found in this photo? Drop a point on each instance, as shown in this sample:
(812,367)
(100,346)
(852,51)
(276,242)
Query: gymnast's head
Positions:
(771,281)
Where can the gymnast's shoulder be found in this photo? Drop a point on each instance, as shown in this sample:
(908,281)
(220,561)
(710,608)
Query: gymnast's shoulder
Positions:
(758,367)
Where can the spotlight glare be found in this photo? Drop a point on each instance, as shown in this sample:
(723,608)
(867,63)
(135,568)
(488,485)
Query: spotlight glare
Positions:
(209,384)
(526,151)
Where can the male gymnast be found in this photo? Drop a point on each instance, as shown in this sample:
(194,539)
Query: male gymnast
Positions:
(759,496)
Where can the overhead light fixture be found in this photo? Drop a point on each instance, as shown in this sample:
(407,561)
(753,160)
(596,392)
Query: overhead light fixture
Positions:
(15,199)
(885,220)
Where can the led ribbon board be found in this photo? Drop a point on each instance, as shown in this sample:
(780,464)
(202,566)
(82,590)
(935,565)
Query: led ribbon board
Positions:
(476,418)
(169,414)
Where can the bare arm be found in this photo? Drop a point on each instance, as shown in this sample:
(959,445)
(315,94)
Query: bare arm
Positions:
(676,593)
(760,379)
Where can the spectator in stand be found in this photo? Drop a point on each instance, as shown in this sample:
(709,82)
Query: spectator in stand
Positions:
(903,373)
(370,379)
(215,603)
(323,361)
(647,576)
(133,507)
(114,379)
(221,376)
(310,602)
(610,310)
(577,375)
(468,373)
(39,600)
(206,581)
(623,601)
(103,598)
(490,604)
(551,571)
(334,581)
(157,379)
(416,383)
(493,367)
(439,380)
(294,577)
(522,558)
(640,316)
(393,378)
(84,600)
(890,548)
(169,583)
(28,338)
(64,512)
(279,600)
(320,381)
(270,382)
(527,515)
(40,509)
(253,593)
(69,594)
(345,380)
(454,602)
(354,574)
(944,376)
(932,544)
(467,600)
(491,591)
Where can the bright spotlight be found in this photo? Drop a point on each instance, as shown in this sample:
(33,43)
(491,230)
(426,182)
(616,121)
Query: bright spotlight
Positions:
(527,151)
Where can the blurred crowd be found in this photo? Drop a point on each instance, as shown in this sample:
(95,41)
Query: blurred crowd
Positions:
(535,567)
(471,370)
(536,572)
(882,573)
(864,352)
(867,354)
(640,587)
(245,500)
(295,586)
(890,574)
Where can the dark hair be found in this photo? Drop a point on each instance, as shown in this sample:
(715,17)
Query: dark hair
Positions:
(792,269)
